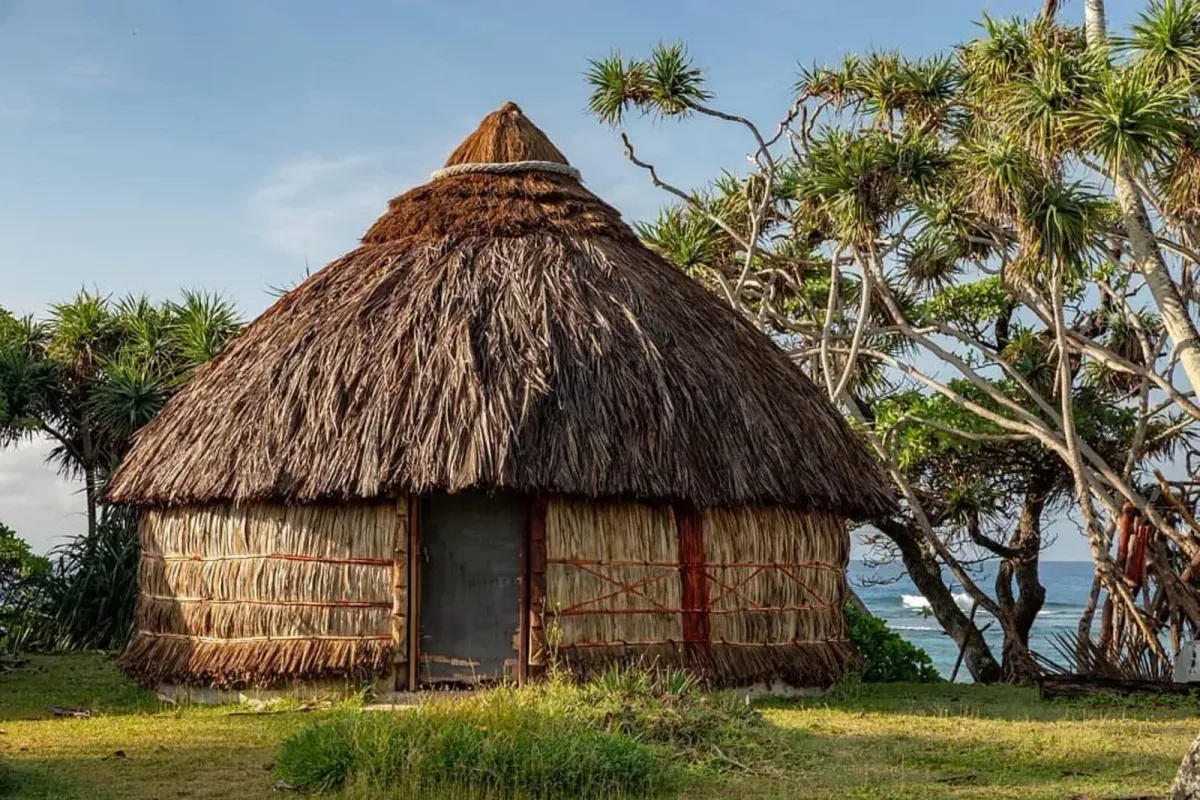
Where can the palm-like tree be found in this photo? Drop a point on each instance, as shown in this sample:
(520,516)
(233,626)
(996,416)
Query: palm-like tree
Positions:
(95,371)
(965,200)
(1133,124)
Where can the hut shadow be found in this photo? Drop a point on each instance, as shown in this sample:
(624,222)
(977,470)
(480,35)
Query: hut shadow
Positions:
(159,771)
(71,687)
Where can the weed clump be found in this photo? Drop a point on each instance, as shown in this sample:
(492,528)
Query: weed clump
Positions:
(629,732)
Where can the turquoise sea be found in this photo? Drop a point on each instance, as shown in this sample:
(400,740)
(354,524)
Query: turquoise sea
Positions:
(897,601)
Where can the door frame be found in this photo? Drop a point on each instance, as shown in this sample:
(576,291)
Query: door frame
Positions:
(414,591)
(531,594)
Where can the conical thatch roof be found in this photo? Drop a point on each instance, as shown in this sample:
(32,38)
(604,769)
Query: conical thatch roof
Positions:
(502,330)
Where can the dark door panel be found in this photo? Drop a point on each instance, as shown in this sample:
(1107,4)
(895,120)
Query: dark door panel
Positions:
(471,566)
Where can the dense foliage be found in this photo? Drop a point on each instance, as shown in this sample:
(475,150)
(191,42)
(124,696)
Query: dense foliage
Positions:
(987,258)
(22,576)
(888,657)
(83,597)
(95,370)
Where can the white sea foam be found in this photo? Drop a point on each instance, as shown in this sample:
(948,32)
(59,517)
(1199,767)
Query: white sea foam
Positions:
(915,602)
(920,605)
(914,627)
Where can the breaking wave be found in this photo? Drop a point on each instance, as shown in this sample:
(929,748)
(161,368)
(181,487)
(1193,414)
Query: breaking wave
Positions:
(915,602)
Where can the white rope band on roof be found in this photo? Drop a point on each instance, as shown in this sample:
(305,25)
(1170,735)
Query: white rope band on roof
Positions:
(507,168)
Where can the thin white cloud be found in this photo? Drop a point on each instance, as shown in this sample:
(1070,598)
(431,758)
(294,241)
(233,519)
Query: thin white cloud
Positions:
(89,73)
(39,505)
(315,207)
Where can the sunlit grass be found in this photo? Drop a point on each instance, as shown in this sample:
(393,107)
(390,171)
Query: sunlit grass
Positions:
(881,741)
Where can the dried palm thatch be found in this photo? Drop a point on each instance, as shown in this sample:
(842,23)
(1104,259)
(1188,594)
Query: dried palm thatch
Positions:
(768,607)
(1080,655)
(502,331)
(498,330)
(231,596)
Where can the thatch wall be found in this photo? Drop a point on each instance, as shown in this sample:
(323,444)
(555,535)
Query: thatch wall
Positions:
(612,574)
(264,594)
(760,599)
(234,596)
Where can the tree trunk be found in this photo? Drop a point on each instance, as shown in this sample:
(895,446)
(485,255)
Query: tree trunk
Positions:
(1142,240)
(853,599)
(1094,21)
(1089,610)
(925,573)
(1021,610)
(89,480)
(1150,262)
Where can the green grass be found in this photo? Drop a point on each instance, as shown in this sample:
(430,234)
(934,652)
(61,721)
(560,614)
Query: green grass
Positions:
(488,751)
(866,741)
(629,733)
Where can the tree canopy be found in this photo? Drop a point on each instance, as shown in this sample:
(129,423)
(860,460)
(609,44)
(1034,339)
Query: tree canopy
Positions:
(987,258)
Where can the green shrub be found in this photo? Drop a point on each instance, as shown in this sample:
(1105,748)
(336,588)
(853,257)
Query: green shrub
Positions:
(85,601)
(889,656)
(666,707)
(629,732)
(22,580)
(321,756)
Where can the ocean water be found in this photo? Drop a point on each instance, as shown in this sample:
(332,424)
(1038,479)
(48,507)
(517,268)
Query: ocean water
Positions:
(889,594)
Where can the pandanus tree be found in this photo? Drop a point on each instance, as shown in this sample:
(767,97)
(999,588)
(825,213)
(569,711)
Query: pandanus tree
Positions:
(937,244)
(95,370)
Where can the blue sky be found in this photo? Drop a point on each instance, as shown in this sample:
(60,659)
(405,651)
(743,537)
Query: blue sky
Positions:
(149,146)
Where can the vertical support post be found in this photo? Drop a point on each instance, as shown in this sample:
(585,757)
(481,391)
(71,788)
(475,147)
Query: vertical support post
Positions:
(697,632)
(414,591)
(538,655)
(400,595)
(523,629)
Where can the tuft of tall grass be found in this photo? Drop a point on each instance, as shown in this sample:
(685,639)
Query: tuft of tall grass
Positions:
(628,733)
(491,748)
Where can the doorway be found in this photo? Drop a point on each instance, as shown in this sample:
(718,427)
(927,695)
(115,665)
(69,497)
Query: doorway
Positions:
(471,566)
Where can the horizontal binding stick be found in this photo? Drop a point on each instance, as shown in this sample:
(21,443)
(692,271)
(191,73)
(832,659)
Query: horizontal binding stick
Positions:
(369,562)
(240,639)
(718,643)
(600,562)
(297,603)
(580,612)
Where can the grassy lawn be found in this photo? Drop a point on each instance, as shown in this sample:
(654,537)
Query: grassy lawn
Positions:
(871,741)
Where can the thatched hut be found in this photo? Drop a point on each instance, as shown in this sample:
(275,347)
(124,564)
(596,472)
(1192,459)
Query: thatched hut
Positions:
(592,456)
